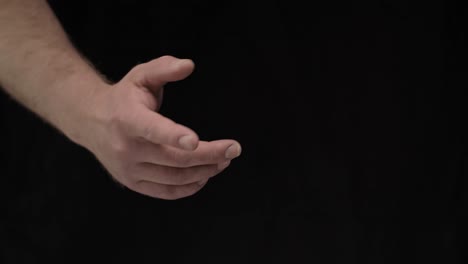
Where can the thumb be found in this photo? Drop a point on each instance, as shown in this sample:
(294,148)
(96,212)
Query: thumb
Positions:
(156,73)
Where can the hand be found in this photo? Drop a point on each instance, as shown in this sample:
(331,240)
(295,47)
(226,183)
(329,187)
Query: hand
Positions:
(145,151)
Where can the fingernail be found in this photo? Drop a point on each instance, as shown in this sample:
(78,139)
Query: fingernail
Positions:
(222,166)
(180,62)
(187,142)
(233,151)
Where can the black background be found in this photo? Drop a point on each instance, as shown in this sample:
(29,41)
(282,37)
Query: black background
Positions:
(350,114)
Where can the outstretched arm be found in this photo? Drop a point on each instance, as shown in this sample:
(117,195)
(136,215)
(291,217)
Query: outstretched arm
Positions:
(118,123)
(38,65)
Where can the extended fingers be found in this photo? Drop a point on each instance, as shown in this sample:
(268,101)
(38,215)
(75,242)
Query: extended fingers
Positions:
(213,152)
(158,129)
(167,192)
(177,176)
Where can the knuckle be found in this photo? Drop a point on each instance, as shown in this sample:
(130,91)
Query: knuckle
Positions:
(204,173)
(214,156)
(166,58)
(117,121)
(202,184)
(179,176)
(178,192)
(127,174)
(181,159)
(137,70)
(167,192)
(148,133)
(171,197)
(120,148)
(210,156)
(188,176)
(170,193)
(214,170)
(137,73)
(132,176)
(133,185)
(195,188)
(189,191)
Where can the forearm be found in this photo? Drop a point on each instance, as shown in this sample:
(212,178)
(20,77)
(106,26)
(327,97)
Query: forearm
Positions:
(40,68)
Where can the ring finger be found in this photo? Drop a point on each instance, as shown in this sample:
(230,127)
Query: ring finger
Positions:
(177,176)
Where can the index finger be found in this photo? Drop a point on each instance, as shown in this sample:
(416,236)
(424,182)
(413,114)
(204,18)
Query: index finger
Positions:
(158,129)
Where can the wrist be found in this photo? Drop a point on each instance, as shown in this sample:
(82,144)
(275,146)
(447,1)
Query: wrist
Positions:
(79,119)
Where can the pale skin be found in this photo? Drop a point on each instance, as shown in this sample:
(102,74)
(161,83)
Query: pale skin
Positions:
(119,123)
